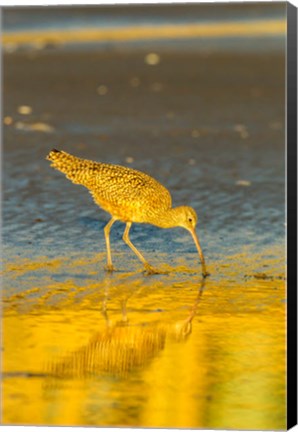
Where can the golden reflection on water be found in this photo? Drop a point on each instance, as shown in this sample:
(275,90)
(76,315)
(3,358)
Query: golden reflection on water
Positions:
(166,351)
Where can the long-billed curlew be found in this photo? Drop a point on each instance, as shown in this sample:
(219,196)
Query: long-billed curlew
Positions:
(129,196)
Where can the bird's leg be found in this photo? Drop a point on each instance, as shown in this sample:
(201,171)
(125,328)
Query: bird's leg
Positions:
(107,228)
(126,238)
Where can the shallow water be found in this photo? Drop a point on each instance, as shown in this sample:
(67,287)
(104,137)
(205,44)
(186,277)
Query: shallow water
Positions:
(131,350)
(82,347)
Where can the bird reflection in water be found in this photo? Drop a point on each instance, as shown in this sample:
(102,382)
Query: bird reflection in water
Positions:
(123,346)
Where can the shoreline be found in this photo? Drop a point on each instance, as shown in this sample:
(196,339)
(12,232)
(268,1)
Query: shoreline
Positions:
(256,28)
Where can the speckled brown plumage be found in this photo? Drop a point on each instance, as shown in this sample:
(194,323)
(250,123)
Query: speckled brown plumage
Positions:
(128,195)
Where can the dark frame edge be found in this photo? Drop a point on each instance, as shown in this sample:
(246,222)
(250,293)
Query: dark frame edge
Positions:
(291,145)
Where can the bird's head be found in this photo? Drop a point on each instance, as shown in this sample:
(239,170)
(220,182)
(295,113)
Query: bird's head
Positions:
(187,218)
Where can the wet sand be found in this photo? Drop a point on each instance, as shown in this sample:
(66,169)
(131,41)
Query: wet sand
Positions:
(210,126)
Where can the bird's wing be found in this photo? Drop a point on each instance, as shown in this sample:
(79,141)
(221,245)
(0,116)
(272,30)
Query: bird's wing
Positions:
(124,186)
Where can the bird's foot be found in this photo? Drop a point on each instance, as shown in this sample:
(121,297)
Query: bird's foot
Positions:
(149,270)
(110,268)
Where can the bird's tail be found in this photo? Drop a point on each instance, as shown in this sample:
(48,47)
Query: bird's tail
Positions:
(79,171)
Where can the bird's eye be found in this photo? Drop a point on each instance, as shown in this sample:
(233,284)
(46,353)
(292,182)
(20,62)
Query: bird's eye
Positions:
(190,220)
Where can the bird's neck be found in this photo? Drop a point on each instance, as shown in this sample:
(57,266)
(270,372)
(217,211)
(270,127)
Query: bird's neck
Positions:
(169,218)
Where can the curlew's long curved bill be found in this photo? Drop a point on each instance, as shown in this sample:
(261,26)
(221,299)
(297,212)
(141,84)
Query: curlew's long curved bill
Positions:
(197,243)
